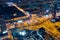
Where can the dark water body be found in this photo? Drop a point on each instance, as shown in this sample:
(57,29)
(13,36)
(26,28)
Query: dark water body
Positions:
(9,11)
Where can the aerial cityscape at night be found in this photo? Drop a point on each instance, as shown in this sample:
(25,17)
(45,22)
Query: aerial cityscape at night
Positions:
(29,19)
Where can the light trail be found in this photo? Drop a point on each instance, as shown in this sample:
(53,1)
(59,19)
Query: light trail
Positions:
(20,9)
